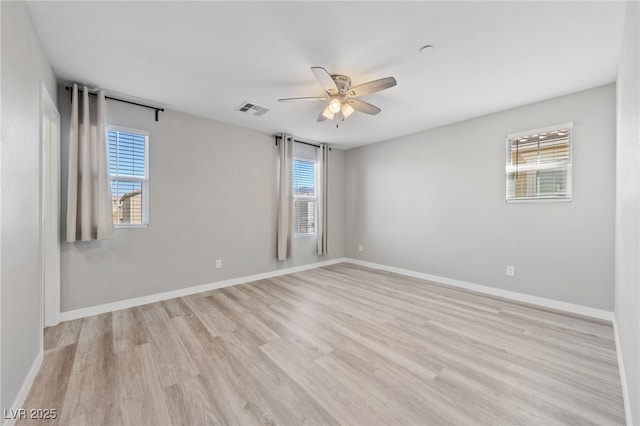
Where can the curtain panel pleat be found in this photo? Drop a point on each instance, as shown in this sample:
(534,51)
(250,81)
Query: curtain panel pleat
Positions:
(285,197)
(89,215)
(323,185)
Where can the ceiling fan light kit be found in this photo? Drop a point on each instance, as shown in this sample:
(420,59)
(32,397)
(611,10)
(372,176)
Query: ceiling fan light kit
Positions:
(347,110)
(335,104)
(341,95)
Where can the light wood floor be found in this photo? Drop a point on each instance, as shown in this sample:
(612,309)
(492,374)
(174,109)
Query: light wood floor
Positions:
(337,345)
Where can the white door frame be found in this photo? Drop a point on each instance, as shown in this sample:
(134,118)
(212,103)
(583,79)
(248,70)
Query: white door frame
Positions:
(50,207)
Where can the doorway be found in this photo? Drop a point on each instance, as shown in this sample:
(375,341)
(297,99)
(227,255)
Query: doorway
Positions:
(50,207)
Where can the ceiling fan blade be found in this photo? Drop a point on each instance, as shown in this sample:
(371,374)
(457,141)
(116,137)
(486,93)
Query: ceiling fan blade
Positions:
(324,78)
(325,114)
(372,86)
(309,98)
(363,106)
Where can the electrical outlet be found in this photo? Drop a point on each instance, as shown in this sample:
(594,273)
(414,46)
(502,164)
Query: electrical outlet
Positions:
(360,247)
(218,263)
(511,271)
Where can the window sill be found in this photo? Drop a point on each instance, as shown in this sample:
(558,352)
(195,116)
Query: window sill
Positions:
(305,235)
(132,225)
(539,200)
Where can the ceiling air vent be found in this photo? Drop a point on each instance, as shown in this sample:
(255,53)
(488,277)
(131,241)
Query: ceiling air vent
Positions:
(252,109)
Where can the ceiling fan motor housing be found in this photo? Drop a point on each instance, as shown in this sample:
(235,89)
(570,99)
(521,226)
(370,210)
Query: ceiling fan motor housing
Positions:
(343,83)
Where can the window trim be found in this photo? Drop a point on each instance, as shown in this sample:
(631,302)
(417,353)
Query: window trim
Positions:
(143,180)
(307,198)
(568,166)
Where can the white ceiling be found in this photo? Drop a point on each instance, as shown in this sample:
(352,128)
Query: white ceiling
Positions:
(206,58)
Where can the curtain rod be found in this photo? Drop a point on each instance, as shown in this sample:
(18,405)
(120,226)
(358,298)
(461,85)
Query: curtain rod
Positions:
(298,141)
(68,89)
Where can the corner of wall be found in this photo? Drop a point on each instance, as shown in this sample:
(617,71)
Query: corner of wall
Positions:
(627,229)
(14,413)
(623,374)
(24,65)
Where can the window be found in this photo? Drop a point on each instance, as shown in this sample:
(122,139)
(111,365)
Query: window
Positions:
(539,164)
(128,167)
(304,197)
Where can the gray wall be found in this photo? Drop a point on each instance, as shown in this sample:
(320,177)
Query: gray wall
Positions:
(212,195)
(24,65)
(434,202)
(627,233)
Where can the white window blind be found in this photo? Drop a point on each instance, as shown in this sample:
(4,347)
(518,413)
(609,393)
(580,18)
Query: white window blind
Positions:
(128,167)
(538,165)
(305,197)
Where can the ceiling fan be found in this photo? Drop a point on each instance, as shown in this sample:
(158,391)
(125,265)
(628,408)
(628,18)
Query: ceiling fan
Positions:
(342,97)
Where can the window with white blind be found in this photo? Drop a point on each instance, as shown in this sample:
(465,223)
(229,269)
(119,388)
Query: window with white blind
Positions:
(129,170)
(539,164)
(304,197)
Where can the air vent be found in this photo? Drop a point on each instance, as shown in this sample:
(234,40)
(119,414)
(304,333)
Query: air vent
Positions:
(253,109)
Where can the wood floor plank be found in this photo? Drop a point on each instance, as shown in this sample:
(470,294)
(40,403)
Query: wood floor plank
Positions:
(172,361)
(343,344)
(215,321)
(176,307)
(191,403)
(128,329)
(227,393)
(344,405)
(65,334)
(243,317)
(91,388)
(141,398)
(274,385)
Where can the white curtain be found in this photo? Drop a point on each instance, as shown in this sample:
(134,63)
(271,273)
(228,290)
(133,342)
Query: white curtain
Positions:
(322,187)
(89,215)
(285,197)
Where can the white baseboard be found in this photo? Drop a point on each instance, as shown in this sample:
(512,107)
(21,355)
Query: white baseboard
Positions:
(511,295)
(24,390)
(144,300)
(623,376)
